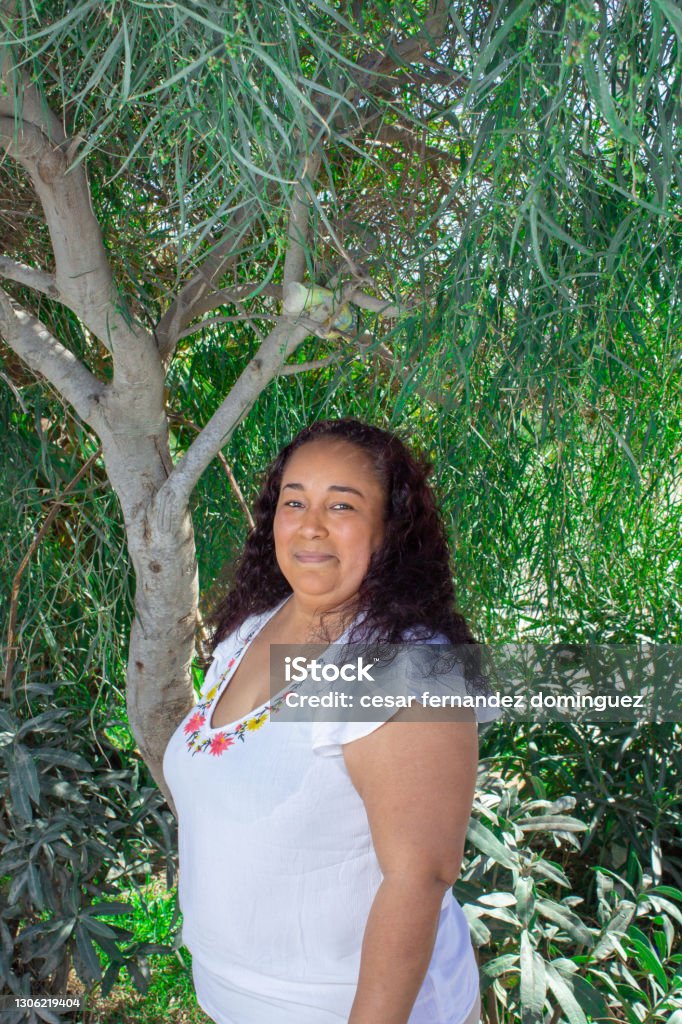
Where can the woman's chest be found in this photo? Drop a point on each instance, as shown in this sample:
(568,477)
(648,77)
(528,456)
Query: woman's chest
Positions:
(250,681)
(247,689)
(269,780)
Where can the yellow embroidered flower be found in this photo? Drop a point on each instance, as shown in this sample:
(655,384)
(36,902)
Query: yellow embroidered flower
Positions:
(212,692)
(255,723)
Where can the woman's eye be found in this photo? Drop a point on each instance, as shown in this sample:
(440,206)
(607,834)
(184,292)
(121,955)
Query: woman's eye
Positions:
(339,505)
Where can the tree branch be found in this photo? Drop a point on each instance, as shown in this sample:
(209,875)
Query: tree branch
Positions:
(231,296)
(215,321)
(187,303)
(15,391)
(431,73)
(29,105)
(430,36)
(39,280)
(32,341)
(428,154)
(83,275)
(173,496)
(293,368)
(198,295)
(226,466)
(405,51)
(381,306)
(298,227)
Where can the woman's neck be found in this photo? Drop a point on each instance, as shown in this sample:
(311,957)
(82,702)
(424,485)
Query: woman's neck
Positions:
(304,622)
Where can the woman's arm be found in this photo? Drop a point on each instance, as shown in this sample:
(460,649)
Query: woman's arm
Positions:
(417,781)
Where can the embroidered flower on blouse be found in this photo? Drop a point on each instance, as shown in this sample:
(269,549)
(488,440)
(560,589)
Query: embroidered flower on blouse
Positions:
(195,722)
(219,743)
(255,723)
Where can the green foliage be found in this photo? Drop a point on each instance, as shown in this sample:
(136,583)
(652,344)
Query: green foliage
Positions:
(77,819)
(74,597)
(80,819)
(552,936)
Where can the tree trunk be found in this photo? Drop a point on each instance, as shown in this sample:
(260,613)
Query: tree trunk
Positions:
(159,690)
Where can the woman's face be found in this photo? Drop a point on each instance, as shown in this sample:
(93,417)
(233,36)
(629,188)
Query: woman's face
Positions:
(328,522)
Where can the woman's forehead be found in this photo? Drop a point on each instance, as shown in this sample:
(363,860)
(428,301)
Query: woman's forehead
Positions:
(327,456)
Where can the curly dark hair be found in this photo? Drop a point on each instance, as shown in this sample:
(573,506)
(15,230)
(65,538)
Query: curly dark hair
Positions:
(408,582)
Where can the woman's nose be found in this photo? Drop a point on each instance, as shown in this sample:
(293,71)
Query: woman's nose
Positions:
(312,523)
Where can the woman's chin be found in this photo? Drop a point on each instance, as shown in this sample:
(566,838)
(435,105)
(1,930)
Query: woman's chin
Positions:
(325,597)
(315,581)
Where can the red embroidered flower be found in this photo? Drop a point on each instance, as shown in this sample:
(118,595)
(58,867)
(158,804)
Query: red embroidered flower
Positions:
(219,743)
(195,723)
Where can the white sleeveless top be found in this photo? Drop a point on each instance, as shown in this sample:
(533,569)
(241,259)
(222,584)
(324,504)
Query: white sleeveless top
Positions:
(277,867)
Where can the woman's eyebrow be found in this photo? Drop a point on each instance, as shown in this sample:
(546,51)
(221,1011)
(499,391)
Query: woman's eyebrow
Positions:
(332,487)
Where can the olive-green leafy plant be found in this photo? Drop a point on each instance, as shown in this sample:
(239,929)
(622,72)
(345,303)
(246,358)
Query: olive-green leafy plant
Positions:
(552,945)
(79,821)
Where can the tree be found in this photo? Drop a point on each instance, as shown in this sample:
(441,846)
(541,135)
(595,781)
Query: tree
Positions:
(285,178)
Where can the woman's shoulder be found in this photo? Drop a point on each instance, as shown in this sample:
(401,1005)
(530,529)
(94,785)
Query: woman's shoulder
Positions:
(424,635)
(239,635)
(416,633)
(229,647)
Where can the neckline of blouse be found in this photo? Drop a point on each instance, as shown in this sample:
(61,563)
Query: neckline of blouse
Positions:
(224,683)
(248,640)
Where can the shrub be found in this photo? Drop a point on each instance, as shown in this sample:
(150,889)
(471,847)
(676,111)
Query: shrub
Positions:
(560,939)
(80,820)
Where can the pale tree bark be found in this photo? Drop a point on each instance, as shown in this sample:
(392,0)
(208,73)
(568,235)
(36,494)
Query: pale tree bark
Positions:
(127,413)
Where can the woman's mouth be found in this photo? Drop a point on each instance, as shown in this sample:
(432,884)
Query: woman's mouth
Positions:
(311,556)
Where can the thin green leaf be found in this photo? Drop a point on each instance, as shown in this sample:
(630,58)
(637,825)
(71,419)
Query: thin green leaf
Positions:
(566,919)
(533,982)
(565,997)
(484,841)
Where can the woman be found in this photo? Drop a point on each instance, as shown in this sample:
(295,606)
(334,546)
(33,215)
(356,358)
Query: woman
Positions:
(317,859)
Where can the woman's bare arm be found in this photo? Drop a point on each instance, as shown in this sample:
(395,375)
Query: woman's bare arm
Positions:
(417,781)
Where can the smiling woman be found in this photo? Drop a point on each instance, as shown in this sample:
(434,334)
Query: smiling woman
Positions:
(317,859)
(324,543)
